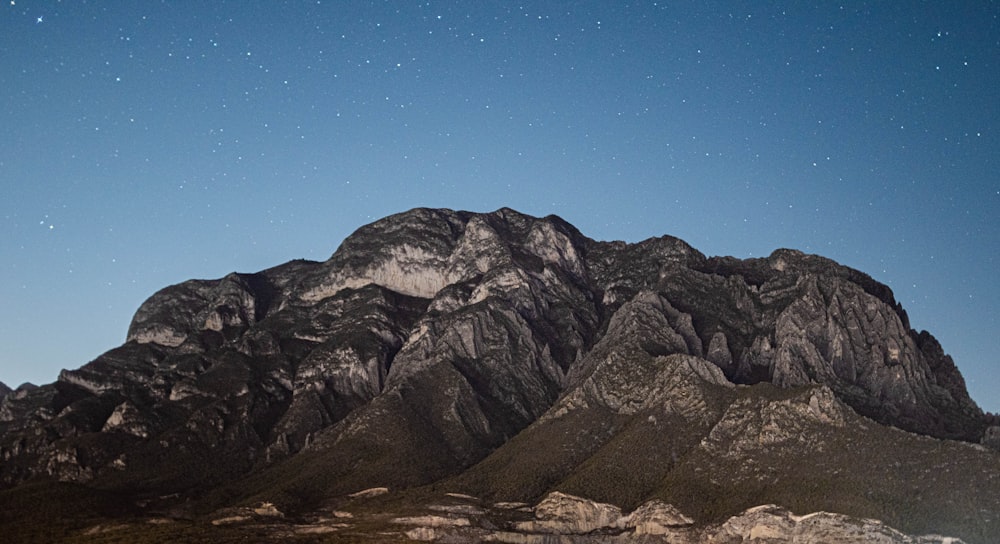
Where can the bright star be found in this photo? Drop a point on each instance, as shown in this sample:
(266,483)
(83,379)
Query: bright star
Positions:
(38,20)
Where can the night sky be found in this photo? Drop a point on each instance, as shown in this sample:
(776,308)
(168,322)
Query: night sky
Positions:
(145,143)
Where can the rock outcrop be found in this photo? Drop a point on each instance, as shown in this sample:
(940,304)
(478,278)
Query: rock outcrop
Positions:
(991,438)
(776,525)
(575,520)
(564,514)
(514,357)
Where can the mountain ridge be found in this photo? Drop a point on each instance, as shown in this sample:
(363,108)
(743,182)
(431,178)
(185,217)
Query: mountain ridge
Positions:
(454,347)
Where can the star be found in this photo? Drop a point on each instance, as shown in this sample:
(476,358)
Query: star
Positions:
(38,20)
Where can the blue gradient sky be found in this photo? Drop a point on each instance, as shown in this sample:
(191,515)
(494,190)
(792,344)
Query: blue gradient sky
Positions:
(145,143)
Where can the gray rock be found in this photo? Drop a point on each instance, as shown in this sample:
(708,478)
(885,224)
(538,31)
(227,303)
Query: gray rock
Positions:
(991,437)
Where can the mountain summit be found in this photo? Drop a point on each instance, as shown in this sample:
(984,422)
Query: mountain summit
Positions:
(504,357)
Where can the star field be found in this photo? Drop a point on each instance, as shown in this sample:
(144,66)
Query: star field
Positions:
(146,143)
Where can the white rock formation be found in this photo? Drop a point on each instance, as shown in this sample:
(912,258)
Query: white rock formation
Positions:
(126,418)
(655,518)
(559,513)
(369,493)
(432,521)
(775,525)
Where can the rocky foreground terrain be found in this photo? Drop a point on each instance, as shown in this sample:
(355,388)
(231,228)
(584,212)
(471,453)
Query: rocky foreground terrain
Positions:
(456,376)
(460,518)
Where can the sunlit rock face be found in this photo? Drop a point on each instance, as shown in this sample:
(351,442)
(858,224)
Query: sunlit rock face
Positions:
(517,357)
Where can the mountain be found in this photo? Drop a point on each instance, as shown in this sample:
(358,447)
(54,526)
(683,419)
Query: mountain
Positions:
(504,358)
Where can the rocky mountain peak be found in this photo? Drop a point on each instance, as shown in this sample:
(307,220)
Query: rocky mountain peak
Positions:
(512,357)
(422,251)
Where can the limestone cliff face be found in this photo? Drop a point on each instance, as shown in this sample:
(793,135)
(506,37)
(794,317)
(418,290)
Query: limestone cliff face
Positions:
(506,352)
(793,319)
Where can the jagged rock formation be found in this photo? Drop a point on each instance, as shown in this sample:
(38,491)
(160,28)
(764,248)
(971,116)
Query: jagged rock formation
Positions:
(511,356)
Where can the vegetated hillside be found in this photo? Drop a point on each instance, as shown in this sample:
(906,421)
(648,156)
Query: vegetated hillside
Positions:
(507,356)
